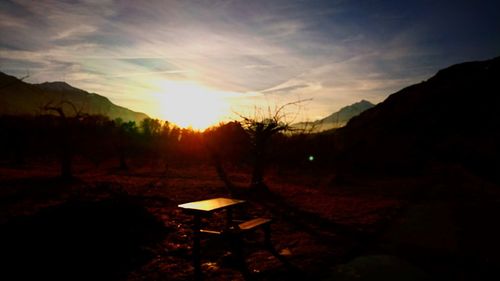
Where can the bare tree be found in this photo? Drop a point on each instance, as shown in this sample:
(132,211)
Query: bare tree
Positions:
(260,129)
(226,142)
(65,134)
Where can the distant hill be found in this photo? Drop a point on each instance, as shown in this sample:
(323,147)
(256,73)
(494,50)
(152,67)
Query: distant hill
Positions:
(454,117)
(337,119)
(20,98)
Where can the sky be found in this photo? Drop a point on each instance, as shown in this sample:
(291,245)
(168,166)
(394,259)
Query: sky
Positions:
(198,62)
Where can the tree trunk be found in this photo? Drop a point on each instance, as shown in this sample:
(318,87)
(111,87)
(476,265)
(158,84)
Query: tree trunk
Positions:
(123,160)
(66,169)
(18,156)
(221,173)
(66,150)
(258,168)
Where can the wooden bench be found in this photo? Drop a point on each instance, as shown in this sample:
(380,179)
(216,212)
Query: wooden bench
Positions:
(246,226)
(235,236)
(254,223)
(233,231)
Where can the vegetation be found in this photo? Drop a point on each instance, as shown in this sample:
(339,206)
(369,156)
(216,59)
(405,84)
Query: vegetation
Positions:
(95,140)
(410,186)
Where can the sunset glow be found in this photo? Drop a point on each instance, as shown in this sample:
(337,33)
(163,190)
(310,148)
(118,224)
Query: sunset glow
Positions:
(249,140)
(186,61)
(188,104)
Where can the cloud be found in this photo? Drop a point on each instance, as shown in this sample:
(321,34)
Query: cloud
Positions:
(75,32)
(285,89)
(336,52)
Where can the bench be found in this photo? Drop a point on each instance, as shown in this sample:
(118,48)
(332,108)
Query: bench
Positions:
(235,236)
(246,226)
(232,232)
(254,223)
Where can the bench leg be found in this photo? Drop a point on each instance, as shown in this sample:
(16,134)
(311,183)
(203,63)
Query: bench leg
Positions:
(267,236)
(268,244)
(229,218)
(196,247)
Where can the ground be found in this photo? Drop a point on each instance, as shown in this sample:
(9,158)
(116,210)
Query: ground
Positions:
(114,225)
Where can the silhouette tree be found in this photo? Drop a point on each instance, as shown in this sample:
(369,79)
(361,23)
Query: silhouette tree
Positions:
(150,133)
(260,130)
(126,133)
(150,127)
(67,125)
(95,138)
(15,134)
(226,143)
(168,139)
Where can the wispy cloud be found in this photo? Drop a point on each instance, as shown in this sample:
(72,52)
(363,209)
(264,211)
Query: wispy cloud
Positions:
(336,52)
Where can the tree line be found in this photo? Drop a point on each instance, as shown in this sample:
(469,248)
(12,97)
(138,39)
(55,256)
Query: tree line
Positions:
(97,139)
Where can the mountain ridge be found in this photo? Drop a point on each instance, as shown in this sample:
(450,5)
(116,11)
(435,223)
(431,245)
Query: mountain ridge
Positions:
(338,118)
(454,116)
(347,112)
(20,98)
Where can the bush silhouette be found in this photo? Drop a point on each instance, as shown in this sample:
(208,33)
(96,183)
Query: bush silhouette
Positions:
(79,241)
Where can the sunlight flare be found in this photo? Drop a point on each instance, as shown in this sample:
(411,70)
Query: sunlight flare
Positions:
(189,104)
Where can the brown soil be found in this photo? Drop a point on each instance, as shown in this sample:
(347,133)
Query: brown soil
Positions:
(113,225)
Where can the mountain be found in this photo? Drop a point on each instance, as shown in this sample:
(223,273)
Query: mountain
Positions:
(337,119)
(453,117)
(20,98)
(341,117)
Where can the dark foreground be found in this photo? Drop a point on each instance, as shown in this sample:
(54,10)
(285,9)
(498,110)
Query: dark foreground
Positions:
(112,225)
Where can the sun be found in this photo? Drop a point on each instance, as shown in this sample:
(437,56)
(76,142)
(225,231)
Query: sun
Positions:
(189,104)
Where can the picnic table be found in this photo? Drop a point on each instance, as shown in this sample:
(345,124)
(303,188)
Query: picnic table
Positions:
(206,208)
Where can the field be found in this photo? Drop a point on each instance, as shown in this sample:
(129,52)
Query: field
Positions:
(108,224)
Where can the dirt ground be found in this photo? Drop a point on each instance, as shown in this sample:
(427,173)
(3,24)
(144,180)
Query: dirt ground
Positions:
(114,225)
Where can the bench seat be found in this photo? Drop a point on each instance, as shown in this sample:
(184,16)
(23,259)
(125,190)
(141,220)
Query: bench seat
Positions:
(207,231)
(254,223)
(243,227)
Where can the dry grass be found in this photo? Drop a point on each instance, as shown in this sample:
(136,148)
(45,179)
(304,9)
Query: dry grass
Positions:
(317,224)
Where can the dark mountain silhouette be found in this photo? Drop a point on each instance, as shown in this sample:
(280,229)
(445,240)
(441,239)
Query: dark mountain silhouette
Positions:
(337,119)
(454,117)
(20,98)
